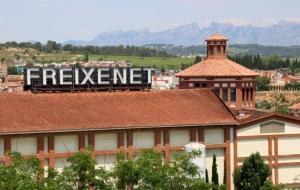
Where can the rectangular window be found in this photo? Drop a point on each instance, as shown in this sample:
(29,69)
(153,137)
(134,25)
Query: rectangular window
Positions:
(225,95)
(233,95)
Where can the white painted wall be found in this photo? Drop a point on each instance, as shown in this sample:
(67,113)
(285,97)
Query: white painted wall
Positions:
(106,161)
(290,128)
(287,174)
(24,145)
(66,143)
(289,146)
(106,141)
(220,162)
(249,146)
(179,137)
(143,139)
(286,160)
(214,136)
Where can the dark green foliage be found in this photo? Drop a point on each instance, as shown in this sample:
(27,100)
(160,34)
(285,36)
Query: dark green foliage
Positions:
(253,61)
(52,46)
(262,83)
(293,85)
(147,171)
(252,175)
(197,59)
(282,109)
(12,70)
(86,57)
(81,173)
(206,176)
(21,174)
(264,104)
(214,174)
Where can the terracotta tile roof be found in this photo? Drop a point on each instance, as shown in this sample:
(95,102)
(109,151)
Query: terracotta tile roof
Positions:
(26,112)
(217,67)
(266,117)
(295,106)
(216,37)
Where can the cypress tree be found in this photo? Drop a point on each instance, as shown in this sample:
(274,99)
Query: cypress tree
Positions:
(206,176)
(214,174)
(86,58)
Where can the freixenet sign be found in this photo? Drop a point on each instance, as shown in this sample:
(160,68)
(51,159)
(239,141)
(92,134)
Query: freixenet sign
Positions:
(86,78)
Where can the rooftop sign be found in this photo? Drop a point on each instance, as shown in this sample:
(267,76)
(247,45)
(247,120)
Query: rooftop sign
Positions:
(86,78)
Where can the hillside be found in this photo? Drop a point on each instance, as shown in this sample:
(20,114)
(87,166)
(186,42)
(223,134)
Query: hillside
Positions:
(284,33)
(282,51)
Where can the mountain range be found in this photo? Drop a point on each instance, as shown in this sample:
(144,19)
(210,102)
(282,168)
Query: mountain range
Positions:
(284,33)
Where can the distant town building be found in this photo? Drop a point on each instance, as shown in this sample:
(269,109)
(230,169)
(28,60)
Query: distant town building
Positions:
(291,78)
(295,110)
(234,83)
(268,73)
(164,81)
(106,64)
(12,83)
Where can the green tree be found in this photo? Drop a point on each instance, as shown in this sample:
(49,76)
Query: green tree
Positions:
(264,104)
(206,176)
(147,171)
(282,109)
(12,70)
(21,174)
(81,173)
(214,174)
(86,57)
(262,83)
(197,59)
(253,174)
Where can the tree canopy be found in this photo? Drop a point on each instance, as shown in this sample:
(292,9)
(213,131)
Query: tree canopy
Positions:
(145,171)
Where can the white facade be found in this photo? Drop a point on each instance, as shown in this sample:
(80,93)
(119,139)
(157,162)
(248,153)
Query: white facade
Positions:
(277,141)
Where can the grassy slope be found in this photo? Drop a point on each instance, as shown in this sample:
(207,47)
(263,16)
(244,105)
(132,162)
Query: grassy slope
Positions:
(170,62)
(30,54)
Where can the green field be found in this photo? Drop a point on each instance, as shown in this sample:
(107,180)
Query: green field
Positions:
(167,62)
(31,55)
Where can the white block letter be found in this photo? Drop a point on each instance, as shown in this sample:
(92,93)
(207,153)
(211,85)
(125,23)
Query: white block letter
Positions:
(101,76)
(63,76)
(117,75)
(30,76)
(49,76)
(132,76)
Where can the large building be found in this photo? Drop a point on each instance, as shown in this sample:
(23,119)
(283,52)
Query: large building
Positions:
(232,82)
(52,126)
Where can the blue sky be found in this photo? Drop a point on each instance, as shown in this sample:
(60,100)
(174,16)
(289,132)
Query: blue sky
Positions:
(61,20)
